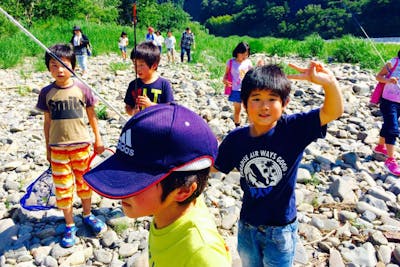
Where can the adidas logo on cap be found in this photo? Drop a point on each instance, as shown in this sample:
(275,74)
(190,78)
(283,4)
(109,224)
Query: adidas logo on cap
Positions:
(125,143)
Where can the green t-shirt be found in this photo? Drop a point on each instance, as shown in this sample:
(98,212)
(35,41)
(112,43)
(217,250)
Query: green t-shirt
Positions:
(191,241)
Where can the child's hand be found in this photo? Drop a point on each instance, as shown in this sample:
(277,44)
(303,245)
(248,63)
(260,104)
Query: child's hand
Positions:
(227,82)
(143,101)
(393,80)
(98,147)
(315,73)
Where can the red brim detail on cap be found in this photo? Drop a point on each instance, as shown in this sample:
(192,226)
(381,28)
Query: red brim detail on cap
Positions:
(114,179)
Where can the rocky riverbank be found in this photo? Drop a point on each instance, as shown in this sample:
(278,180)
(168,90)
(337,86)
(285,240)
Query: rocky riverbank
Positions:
(349,207)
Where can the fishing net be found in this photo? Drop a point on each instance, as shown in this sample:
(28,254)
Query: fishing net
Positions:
(40,194)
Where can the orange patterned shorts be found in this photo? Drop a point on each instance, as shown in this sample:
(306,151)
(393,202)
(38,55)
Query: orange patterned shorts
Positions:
(68,164)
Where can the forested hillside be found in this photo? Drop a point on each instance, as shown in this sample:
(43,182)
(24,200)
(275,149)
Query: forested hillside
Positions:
(162,15)
(297,18)
(294,19)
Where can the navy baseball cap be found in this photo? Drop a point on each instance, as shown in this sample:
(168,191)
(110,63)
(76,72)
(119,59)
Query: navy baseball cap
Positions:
(155,142)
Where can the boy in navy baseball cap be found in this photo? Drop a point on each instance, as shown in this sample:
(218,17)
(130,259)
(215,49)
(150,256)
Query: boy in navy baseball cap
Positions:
(160,168)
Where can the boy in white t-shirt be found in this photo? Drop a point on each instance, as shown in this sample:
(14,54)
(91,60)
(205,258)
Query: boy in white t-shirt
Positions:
(123,42)
(170,42)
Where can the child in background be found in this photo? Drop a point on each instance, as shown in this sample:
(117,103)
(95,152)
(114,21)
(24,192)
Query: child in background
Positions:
(123,42)
(267,154)
(64,103)
(80,42)
(186,43)
(236,68)
(149,88)
(160,168)
(150,36)
(170,42)
(390,107)
(159,39)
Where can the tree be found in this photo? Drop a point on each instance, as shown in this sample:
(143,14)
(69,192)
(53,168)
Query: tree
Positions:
(29,11)
(162,16)
(221,25)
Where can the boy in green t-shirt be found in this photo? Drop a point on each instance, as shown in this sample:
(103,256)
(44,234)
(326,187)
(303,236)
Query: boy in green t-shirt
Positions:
(160,168)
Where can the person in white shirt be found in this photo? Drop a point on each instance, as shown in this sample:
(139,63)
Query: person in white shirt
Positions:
(159,39)
(123,42)
(170,42)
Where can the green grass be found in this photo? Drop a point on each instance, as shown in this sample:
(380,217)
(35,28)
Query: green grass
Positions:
(120,227)
(104,39)
(313,181)
(210,50)
(116,66)
(24,90)
(101,111)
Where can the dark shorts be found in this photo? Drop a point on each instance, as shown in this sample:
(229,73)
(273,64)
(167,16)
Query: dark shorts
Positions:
(390,128)
(235,97)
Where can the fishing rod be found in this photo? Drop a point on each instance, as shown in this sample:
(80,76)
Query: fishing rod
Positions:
(365,33)
(134,16)
(30,35)
(135,21)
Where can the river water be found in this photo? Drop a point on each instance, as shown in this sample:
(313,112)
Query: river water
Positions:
(386,40)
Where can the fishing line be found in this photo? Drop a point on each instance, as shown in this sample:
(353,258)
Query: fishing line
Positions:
(365,33)
(30,35)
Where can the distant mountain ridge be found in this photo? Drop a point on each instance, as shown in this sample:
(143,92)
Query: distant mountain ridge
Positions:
(296,19)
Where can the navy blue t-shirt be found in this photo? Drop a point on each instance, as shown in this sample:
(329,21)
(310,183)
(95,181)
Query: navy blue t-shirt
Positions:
(268,166)
(158,92)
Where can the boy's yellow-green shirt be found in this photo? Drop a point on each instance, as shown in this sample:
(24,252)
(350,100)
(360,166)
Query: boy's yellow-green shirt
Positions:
(191,241)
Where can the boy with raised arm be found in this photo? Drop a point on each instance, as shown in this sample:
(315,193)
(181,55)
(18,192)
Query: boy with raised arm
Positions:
(267,154)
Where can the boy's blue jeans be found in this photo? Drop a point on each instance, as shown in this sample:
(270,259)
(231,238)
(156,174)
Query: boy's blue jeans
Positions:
(267,245)
(82,61)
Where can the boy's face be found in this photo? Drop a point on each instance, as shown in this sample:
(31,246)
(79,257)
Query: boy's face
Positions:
(264,109)
(144,72)
(59,72)
(146,203)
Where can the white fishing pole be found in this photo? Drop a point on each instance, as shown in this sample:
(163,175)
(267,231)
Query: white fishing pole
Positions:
(372,43)
(365,33)
(369,39)
(30,35)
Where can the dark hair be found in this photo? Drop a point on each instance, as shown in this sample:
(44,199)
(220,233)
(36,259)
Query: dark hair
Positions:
(267,77)
(242,47)
(148,52)
(61,51)
(398,54)
(123,33)
(185,179)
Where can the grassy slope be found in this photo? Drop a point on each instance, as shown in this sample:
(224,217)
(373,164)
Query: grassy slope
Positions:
(210,50)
